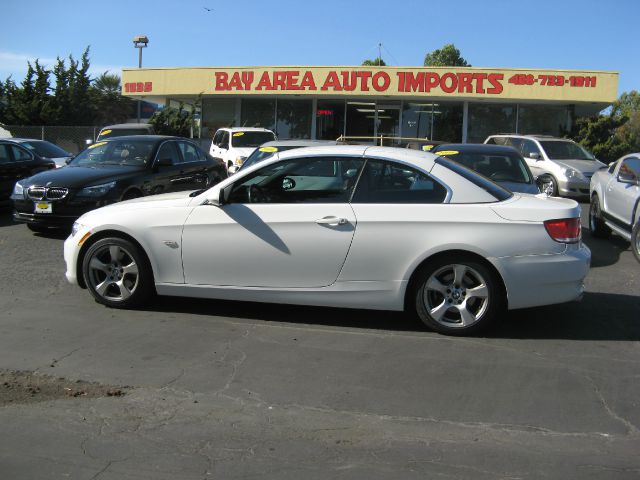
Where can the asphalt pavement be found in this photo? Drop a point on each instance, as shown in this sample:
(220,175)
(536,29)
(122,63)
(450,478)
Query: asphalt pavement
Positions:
(217,389)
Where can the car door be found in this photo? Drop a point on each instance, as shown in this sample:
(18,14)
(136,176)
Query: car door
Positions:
(277,229)
(170,175)
(622,197)
(194,165)
(537,166)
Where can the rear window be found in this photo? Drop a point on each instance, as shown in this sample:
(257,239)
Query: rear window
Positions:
(46,149)
(498,192)
(499,167)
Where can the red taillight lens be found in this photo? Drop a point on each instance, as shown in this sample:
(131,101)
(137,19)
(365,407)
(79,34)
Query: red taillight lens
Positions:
(566,230)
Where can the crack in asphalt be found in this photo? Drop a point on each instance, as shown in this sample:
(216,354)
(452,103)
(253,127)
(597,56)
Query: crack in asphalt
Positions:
(631,428)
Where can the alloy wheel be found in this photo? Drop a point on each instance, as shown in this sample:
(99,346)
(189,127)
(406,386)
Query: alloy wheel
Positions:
(456,296)
(113,273)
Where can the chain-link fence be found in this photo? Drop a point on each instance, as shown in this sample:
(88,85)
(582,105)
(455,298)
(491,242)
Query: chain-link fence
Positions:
(71,139)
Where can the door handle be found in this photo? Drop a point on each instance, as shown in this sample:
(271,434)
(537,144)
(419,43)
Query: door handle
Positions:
(333,221)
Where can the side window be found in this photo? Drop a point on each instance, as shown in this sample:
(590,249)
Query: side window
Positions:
(4,154)
(493,141)
(224,141)
(217,137)
(513,142)
(189,152)
(20,154)
(300,180)
(529,147)
(168,150)
(388,182)
(612,167)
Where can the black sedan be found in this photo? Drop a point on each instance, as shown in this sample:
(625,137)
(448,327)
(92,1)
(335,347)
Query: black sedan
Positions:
(110,171)
(503,165)
(16,162)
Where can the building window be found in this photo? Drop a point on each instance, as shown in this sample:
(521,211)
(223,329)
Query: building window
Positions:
(417,120)
(329,119)
(258,112)
(447,122)
(293,119)
(489,119)
(543,120)
(361,119)
(217,113)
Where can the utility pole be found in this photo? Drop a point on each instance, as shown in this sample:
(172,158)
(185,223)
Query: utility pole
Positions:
(140,42)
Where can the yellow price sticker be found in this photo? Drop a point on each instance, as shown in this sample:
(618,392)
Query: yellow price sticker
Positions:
(444,153)
(268,149)
(238,134)
(105,132)
(426,148)
(97,144)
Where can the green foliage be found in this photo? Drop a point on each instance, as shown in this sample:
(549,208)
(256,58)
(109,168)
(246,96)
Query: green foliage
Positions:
(75,99)
(627,104)
(173,121)
(376,62)
(447,56)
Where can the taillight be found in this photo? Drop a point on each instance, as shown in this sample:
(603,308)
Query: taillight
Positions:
(566,230)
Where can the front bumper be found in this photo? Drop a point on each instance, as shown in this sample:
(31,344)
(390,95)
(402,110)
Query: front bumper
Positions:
(64,212)
(573,188)
(537,280)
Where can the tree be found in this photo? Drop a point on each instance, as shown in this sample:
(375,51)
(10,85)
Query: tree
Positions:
(173,121)
(376,62)
(598,134)
(627,104)
(108,103)
(79,85)
(447,56)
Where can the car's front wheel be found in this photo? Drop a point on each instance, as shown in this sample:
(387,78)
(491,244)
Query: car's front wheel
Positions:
(549,185)
(635,241)
(117,273)
(457,296)
(596,224)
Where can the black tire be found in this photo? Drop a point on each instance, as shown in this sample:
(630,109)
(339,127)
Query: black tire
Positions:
(34,227)
(549,185)
(457,311)
(596,224)
(117,273)
(131,194)
(635,240)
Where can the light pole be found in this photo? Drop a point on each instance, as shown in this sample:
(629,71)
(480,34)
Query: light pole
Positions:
(140,42)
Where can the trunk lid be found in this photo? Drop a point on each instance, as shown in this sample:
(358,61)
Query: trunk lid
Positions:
(536,208)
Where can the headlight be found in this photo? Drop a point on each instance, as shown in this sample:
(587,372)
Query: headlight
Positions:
(239,161)
(76,227)
(572,173)
(96,190)
(18,189)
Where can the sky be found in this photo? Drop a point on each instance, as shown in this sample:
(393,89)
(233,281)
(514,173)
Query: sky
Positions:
(560,34)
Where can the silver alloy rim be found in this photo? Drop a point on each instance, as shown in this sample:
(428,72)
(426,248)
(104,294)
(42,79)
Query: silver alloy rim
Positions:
(637,242)
(456,296)
(593,215)
(547,186)
(113,273)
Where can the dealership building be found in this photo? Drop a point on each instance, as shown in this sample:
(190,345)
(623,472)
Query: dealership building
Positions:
(454,104)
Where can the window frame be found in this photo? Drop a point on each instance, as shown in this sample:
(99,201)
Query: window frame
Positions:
(176,149)
(12,155)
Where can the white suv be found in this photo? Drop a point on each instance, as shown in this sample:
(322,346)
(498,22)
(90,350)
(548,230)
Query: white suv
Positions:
(563,166)
(234,145)
(615,201)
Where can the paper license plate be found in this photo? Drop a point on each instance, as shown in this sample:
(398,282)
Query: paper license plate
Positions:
(43,207)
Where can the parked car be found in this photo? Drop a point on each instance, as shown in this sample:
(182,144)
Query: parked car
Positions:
(341,226)
(234,145)
(615,201)
(111,171)
(16,162)
(125,129)
(268,149)
(564,167)
(45,150)
(503,165)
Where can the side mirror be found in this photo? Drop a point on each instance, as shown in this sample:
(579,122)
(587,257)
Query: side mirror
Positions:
(218,197)
(164,162)
(535,156)
(625,177)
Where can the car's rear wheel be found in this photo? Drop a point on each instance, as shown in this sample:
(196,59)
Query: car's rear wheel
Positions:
(117,273)
(596,224)
(457,296)
(635,241)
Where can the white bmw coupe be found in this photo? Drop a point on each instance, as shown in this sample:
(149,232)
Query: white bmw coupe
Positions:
(340,226)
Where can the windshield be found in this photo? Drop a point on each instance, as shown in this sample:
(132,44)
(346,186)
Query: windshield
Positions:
(559,150)
(251,139)
(121,132)
(46,149)
(499,167)
(263,153)
(135,153)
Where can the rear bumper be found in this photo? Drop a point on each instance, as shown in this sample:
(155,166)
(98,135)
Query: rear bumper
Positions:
(537,280)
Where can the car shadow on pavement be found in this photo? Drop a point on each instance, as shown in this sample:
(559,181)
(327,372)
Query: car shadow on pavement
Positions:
(604,251)
(293,314)
(6,218)
(599,316)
